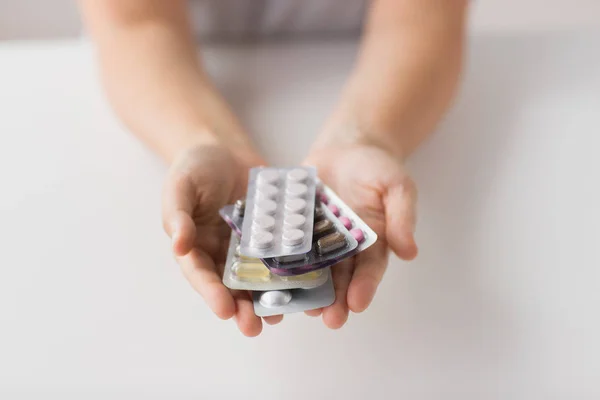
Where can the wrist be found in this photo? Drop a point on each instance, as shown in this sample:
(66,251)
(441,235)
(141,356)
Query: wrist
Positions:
(237,144)
(347,132)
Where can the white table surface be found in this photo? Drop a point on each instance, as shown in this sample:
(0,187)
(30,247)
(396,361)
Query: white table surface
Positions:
(503,301)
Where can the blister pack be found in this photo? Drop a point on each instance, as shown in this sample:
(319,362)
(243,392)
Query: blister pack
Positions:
(364,235)
(331,240)
(277,302)
(246,273)
(333,215)
(278,218)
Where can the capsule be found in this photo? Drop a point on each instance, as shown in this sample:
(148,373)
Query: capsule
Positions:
(319,214)
(331,242)
(322,227)
(253,271)
(309,276)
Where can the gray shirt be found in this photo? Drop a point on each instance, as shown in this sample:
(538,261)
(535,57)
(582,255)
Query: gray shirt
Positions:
(248,19)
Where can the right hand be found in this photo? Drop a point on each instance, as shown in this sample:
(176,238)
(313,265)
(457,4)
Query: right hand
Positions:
(202,179)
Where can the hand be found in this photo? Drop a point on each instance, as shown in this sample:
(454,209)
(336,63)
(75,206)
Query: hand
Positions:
(378,188)
(201,180)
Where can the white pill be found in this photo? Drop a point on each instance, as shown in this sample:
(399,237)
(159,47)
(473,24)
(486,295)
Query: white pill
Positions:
(266,191)
(261,239)
(295,205)
(263,223)
(292,237)
(296,190)
(297,175)
(294,221)
(275,298)
(269,176)
(265,206)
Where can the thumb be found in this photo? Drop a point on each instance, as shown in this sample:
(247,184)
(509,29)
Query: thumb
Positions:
(179,201)
(400,214)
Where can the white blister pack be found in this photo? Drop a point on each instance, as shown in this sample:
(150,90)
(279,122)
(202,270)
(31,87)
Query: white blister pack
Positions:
(247,273)
(275,302)
(278,217)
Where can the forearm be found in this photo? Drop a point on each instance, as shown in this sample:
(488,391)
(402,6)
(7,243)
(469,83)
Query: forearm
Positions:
(153,77)
(405,76)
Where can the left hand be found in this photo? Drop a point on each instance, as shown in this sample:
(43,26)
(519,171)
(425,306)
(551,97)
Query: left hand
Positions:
(377,187)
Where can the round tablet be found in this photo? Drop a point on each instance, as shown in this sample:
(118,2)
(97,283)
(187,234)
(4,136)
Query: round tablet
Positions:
(324,198)
(266,191)
(357,234)
(265,206)
(263,223)
(261,239)
(275,298)
(292,237)
(346,222)
(268,176)
(295,205)
(297,175)
(296,190)
(294,221)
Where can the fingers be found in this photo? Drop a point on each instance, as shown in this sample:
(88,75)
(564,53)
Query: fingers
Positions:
(369,268)
(200,271)
(273,320)
(336,315)
(314,313)
(400,212)
(248,323)
(179,200)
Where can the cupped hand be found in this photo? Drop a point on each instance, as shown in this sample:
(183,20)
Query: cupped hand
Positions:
(378,188)
(201,180)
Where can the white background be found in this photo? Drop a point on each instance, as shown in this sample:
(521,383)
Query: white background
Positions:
(58,18)
(502,302)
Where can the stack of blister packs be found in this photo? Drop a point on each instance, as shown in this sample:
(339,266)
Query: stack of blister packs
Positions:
(287,234)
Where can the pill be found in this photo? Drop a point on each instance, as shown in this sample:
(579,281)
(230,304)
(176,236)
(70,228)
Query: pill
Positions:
(331,242)
(346,222)
(254,271)
(261,239)
(267,191)
(239,208)
(296,190)
(319,214)
(357,234)
(295,205)
(294,221)
(269,176)
(275,298)
(289,259)
(322,227)
(297,175)
(265,206)
(324,198)
(247,259)
(309,276)
(292,237)
(264,223)
(334,209)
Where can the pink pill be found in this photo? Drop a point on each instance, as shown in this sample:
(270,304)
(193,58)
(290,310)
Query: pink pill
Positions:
(346,222)
(334,209)
(324,198)
(357,234)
